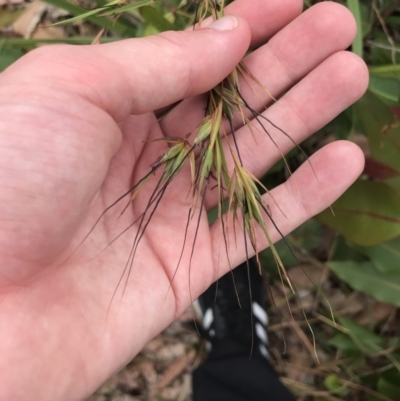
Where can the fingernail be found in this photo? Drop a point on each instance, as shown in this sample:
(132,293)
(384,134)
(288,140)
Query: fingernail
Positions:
(224,24)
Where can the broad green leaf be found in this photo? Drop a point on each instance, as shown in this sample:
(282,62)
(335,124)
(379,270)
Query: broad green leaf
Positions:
(385,257)
(8,56)
(387,88)
(344,250)
(384,5)
(367,341)
(154,16)
(333,384)
(149,30)
(366,278)
(394,183)
(368,213)
(345,344)
(357,45)
(365,12)
(378,171)
(308,235)
(390,390)
(393,20)
(378,123)
(393,375)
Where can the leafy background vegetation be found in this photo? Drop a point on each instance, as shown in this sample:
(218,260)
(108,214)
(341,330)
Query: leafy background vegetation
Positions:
(353,255)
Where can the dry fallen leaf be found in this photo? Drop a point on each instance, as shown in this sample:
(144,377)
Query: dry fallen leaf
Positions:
(10,2)
(146,368)
(45,31)
(175,369)
(186,388)
(167,355)
(26,24)
(307,277)
(377,313)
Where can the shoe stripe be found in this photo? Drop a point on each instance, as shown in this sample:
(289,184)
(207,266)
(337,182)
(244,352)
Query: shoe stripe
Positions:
(263,350)
(261,333)
(260,313)
(208,319)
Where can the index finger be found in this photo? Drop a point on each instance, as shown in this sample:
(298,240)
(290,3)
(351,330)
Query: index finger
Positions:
(265,18)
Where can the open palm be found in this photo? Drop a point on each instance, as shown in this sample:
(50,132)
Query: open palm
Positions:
(75,126)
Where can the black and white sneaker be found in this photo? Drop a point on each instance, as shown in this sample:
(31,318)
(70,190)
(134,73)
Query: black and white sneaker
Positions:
(230,314)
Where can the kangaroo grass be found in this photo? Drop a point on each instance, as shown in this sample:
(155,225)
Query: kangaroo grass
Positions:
(206,155)
(238,186)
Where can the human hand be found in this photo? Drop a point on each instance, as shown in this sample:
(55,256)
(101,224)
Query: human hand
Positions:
(74,126)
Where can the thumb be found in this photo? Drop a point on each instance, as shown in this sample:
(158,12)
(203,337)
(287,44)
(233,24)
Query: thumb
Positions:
(135,76)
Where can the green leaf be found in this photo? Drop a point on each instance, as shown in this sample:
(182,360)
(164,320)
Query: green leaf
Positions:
(345,344)
(333,384)
(378,171)
(155,18)
(344,250)
(387,88)
(365,12)
(308,235)
(390,390)
(393,375)
(393,20)
(385,257)
(8,56)
(394,183)
(366,278)
(367,341)
(377,122)
(149,30)
(357,45)
(368,213)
